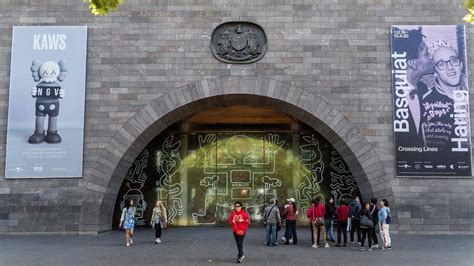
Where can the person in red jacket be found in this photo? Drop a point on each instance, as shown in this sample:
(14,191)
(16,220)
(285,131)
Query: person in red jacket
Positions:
(316,217)
(342,213)
(291,214)
(239,220)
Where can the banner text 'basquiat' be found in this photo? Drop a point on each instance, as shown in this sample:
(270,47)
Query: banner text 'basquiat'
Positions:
(402,89)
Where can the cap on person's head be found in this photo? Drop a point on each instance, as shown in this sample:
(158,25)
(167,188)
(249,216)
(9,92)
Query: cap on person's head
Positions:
(291,200)
(373,200)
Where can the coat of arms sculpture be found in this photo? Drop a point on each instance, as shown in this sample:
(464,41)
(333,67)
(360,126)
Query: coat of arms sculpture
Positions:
(238,42)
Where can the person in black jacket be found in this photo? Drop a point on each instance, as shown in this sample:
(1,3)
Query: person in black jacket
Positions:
(355,208)
(374,211)
(366,225)
(329,219)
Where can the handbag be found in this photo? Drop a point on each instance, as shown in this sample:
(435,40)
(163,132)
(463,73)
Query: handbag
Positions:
(365,221)
(318,221)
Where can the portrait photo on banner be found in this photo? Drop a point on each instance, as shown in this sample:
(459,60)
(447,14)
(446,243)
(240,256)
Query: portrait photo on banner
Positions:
(430,100)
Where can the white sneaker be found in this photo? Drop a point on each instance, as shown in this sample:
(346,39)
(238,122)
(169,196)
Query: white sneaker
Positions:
(128,245)
(131,241)
(314,246)
(283,239)
(327,245)
(375,246)
(158,241)
(291,240)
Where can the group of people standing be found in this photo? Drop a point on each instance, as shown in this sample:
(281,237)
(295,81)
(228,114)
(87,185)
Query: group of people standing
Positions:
(349,216)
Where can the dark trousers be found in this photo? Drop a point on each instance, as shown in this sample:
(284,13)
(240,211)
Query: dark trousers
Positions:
(341,228)
(312,238)
(355,227)
(366,232)
(157,230)
(240,244)
(374,236)
(291,231)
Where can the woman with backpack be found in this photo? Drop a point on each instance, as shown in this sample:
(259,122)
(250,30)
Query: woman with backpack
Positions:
(127,220)
(239,220)
(384,221)
(159,220)
(366,225)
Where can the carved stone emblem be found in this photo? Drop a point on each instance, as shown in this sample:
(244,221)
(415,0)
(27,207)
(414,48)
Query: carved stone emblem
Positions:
(238,42)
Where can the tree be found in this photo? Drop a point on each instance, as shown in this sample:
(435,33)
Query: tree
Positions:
(470,6)
(103,7)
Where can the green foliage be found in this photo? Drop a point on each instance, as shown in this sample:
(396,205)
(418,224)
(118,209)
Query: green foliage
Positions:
(103,7)
(470,6)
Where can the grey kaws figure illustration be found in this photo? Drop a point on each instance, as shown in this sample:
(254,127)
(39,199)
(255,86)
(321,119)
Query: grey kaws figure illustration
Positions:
(47,93)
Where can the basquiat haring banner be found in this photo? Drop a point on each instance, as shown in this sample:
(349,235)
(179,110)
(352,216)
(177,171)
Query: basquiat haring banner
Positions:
(430,100)
(46,105)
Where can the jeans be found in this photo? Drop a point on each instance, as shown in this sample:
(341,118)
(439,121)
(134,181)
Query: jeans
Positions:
(317,229)
(355,227)
(329,229)
(341,228)
(387,241)
(366,232)
(291,231)
(240,244)
(270,231)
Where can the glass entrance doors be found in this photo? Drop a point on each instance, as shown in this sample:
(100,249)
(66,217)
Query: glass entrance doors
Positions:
(199,175)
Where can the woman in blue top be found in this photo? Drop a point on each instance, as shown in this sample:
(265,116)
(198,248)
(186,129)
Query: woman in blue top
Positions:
(127,220)
(384,212)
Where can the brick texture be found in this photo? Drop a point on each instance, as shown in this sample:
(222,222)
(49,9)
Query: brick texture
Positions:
(150,64)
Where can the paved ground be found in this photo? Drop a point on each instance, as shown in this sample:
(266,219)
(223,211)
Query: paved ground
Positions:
(215,246)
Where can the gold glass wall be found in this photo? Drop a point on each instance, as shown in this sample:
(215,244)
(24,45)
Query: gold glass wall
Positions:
(199,175)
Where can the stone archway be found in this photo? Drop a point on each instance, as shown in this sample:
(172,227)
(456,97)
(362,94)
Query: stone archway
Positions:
(107,176)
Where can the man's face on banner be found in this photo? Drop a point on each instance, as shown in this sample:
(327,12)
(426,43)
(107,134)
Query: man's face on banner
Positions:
(424,62)
(448,67)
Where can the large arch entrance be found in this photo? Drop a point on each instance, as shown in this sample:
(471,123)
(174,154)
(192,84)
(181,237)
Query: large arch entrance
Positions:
(105,181)
(199,166)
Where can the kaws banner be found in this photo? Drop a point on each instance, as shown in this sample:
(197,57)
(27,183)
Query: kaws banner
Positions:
(46,105)
(430,100)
